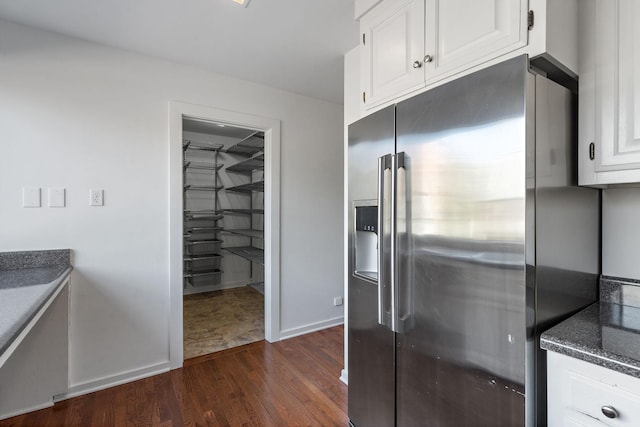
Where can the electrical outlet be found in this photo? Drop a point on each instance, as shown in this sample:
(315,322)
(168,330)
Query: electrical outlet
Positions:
(337,301)
(96,197)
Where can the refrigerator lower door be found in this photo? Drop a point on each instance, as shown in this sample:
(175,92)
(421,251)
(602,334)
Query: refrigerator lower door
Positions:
(371,360)
(461,247)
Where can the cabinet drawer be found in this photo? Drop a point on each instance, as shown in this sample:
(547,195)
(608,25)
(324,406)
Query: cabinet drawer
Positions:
(576,419)
(589,396)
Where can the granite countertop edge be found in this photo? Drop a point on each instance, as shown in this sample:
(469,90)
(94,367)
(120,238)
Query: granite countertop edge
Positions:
(25,268)
(591,355)
(52,287)
(579,337)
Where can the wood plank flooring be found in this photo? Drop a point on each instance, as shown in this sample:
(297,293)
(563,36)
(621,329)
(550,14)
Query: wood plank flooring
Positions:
(288,383)
(218,320)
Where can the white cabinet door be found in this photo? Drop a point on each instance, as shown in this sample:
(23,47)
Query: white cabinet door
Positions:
(392,50)
(407,44)
(472,32)
(578,393)
(610,92)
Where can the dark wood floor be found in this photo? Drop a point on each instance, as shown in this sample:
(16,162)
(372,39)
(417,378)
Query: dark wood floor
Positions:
(289,383)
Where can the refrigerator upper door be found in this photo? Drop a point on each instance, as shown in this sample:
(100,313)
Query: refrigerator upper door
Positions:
(371,368)
(461,248)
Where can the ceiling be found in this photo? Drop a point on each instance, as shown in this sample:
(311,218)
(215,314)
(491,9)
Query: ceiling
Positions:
(294,45)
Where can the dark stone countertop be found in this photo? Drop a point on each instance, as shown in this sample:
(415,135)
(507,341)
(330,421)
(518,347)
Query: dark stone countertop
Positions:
(27,281)
(606,333)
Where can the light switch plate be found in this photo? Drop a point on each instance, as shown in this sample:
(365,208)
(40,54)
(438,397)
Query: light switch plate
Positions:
(31,197)
(56,197)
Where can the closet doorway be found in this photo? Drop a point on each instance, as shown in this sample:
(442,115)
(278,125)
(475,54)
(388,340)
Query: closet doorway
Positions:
(228,164)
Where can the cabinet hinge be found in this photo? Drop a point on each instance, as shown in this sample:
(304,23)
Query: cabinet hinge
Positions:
(364,97)
(592,151)
(530,20)
(364,39)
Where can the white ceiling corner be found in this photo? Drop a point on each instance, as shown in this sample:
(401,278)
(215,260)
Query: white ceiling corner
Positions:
(294,45)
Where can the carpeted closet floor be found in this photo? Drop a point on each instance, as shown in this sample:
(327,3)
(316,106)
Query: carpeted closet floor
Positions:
(218,320)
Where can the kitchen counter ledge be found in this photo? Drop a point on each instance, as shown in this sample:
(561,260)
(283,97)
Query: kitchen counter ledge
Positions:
(607,333)
(29,281)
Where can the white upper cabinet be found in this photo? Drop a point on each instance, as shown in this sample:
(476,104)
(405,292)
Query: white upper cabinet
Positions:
(392,50)
(609,121)
(472,32)
(407,44)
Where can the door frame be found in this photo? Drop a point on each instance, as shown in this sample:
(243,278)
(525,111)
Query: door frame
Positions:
(271,129)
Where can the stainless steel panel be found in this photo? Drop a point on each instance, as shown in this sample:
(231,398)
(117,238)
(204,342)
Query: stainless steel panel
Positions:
(494,243)
(567,227)
(371,345)
(461,358)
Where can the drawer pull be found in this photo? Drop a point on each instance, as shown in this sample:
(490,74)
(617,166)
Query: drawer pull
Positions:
(609,411)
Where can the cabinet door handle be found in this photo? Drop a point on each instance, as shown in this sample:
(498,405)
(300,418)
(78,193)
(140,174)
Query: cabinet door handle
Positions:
(417,64)
(609,411)
(428,58)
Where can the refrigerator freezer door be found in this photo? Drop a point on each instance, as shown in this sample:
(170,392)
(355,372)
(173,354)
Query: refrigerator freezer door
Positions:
(371,366)
(461,247)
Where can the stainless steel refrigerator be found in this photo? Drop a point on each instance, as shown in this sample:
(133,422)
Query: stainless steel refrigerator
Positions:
(468,237)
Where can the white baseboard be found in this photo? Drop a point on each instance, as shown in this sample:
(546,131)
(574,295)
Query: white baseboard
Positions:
(114,380)
(80,389)
(344,376)
(311,327)
(24,411)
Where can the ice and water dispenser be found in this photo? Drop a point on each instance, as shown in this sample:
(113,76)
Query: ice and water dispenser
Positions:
(366,241)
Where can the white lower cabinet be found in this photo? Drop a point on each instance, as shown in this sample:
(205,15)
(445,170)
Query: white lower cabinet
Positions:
(609,121)
(37,372)
(586,395)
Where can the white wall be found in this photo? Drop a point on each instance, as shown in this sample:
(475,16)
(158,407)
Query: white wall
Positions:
(79,115)
(621,232)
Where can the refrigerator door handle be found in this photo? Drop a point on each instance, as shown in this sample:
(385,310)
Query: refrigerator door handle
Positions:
(384,238)
(398,196)
(394,241)
(402,300)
